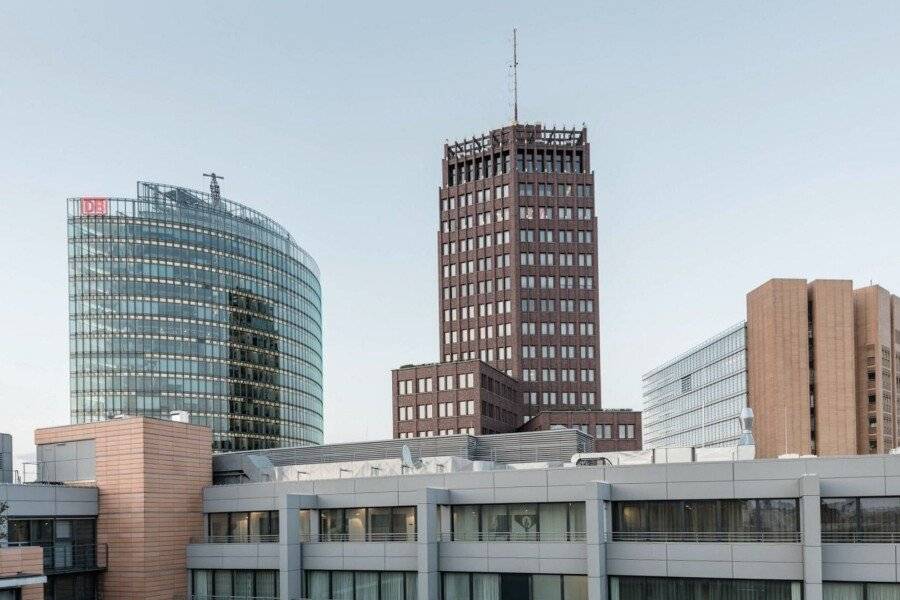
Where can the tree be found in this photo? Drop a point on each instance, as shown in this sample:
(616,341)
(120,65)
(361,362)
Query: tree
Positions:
(3,520)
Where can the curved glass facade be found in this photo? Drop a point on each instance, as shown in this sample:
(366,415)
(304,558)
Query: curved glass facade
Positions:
(180,301)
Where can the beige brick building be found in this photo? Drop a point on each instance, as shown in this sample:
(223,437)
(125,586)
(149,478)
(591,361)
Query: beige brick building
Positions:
(823,364)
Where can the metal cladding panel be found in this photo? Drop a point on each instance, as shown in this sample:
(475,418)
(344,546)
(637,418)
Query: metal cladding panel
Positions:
(531,446)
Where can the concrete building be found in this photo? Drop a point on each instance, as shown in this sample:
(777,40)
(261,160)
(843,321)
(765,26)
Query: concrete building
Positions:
(696,398)
(184,300)
(821,373)
(518,282)
(529,516)
(48,547)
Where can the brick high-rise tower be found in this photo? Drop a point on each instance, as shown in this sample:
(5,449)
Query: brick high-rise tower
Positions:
(517,253)
(517,265)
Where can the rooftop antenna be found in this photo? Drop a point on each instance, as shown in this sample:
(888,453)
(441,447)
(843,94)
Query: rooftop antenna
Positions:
(214,186)
(515,70)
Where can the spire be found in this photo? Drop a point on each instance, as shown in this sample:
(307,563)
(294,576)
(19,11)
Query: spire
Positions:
(515,73)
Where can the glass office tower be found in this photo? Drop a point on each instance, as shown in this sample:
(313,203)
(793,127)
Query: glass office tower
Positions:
(181,300)
(696,398)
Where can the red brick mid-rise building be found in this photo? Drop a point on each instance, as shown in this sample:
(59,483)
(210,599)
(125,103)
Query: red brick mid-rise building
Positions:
(518,294)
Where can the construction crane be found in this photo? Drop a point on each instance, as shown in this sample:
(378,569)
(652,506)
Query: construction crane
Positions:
(214,186)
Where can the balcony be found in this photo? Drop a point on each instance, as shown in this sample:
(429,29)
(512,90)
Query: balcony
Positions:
(360,537)
(501,536)
(738,537)
(861,537)
(72,558)
(236,539)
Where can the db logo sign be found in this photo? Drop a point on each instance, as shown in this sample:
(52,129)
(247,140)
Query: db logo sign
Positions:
(93,206)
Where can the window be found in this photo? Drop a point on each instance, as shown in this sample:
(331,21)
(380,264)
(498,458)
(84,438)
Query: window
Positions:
(626,432)
(228,583)
(424,385)
(242,527)
(397,523)
(873,519)
(604,431)
(466,407)
(680,588)
(361,585)
(763,520)
(555,521)
(426,411)
(405,387)
(406,413)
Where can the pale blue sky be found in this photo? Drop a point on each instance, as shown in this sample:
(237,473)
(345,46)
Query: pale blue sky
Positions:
(732,142)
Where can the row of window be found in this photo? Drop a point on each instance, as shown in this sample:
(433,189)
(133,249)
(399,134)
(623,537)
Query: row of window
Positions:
(470,289)
(682,588)
(861,519)
(561,212)
(472,198)
(486,263)
(548,259)
(431,432)
(426,411)
(381,524)
(243,527)
(549,305)
(549,375)
(470,221)
(425,384)
(549,328)
(562,236)
(548,282)
(361,585)
(484,310)
(549,398)
(480,241)
(566,352)
(770,519)
(500,586)
(210,584)
(550,522)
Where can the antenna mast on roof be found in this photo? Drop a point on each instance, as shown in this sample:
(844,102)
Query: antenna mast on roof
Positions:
(214,186)
(515,70)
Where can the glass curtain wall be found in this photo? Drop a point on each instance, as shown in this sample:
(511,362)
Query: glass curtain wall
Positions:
(382,524)
(212,584)
(869,519)
(509,586)
(763,520)
(182,301)
(243,527)
(549,522)
(659,588)
(361,585)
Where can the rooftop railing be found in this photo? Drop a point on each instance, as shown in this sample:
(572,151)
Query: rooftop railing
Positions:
(494,536)
(707,536)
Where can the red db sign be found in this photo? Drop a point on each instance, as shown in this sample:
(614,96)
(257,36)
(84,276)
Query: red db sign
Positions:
(94,206)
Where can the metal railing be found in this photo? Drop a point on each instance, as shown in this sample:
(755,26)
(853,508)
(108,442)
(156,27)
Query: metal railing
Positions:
(236,539)
(68,558)
(861,537)
(707,536)
(360,537)
(196,597)
(495,536)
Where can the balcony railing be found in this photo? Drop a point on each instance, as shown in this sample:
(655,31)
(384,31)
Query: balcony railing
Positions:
(494,536)
(861,537)
(707,536)
(201,597)
(360,537)
(70,558)
(236,539)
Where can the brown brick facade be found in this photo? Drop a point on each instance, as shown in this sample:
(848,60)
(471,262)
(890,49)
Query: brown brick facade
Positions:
(822,362)
(150,474)
(24,561)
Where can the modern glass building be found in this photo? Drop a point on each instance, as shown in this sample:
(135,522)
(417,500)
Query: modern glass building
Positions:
(696,398)
(181,300)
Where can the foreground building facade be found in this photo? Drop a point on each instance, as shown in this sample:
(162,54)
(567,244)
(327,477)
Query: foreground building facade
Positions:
(526,516)
(518,282)
(183,300)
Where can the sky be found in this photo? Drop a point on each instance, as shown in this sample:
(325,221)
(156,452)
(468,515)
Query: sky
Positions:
(732,142)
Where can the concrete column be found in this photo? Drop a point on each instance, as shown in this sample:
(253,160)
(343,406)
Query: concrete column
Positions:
(811,530)
(428,529)
(596,500)
(290,549)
